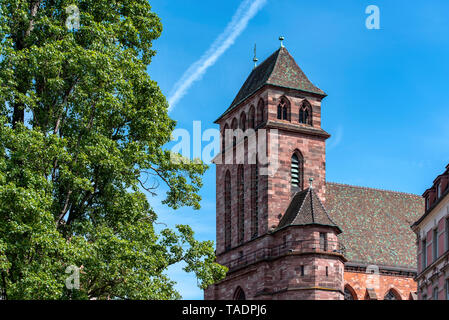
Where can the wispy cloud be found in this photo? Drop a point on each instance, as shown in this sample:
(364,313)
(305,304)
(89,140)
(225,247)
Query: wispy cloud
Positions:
(245,12)
(337,139)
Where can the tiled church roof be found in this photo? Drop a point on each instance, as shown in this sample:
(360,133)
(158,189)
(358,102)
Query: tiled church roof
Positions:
(306,209)
(280,69)
(375,224)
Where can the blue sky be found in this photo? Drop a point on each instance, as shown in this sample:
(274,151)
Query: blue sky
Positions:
(388,91)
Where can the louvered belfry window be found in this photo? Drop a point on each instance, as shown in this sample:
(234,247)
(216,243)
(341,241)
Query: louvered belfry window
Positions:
(296,172)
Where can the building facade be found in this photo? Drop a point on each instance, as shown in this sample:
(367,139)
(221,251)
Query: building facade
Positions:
(283,231)
(432,237)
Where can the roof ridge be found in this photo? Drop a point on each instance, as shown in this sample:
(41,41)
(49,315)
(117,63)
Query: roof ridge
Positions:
(275,64)
(302,204)
(311,204)
(236,101)
(276,52)
(374,189)
(325,211)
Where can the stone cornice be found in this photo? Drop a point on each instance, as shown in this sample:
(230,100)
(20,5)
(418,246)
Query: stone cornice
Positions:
(445,256)
(288,255)
(271,293)
(298,128)
(383,270)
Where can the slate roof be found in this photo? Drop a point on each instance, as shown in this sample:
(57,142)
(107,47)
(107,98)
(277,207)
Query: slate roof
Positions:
(375,224)
(280,69)
(306,208)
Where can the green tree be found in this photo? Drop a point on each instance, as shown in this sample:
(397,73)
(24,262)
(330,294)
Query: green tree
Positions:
(83,127)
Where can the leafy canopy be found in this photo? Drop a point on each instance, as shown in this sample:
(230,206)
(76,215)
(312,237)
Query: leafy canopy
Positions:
(81,138)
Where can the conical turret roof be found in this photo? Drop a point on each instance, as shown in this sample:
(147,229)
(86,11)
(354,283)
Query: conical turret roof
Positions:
(306,208)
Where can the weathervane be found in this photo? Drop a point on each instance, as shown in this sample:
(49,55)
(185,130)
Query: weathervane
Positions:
(255,56)
(281,38)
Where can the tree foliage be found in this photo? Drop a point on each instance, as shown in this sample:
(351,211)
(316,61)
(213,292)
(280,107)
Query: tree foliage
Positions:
(82,132)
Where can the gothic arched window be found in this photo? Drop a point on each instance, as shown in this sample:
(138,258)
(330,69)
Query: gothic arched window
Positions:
(283,109)
(234,126)
(252,118)
(305,113)
(349,293)
(392,295)
(260,112)
(297,172)
(254,200)
(243,121)
(241,203)
(223,138)
(227,210)
(239,294)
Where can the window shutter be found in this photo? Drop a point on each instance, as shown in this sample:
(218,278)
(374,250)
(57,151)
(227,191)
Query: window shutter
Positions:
(295,171)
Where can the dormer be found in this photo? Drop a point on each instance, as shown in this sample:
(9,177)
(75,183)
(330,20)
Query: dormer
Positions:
(429,196)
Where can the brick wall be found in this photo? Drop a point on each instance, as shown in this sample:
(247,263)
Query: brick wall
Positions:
(360,281)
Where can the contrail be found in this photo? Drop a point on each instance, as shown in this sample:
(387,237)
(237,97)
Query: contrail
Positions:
(245,12)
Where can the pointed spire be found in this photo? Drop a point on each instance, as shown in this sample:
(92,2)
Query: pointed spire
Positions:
(255,56)
(279,69)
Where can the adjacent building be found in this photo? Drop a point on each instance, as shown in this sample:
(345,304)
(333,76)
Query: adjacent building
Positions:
(432,238)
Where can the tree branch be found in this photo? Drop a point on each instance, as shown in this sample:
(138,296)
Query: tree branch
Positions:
(69,191)
(33,11)
(64,103)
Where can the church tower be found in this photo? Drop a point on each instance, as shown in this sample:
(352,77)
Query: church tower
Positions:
(273,231)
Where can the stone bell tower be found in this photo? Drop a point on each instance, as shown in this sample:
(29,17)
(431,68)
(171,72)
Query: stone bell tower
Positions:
(273,231)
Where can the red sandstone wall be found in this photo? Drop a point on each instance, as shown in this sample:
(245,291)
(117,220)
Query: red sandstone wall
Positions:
(280,277)
(274,191)
(359,281)
(220,178)
(279,186)
(311,147)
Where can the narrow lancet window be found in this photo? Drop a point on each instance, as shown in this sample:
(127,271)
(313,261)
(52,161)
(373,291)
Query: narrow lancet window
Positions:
(241,203)
(305,114)
(296,172)
(228,211)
